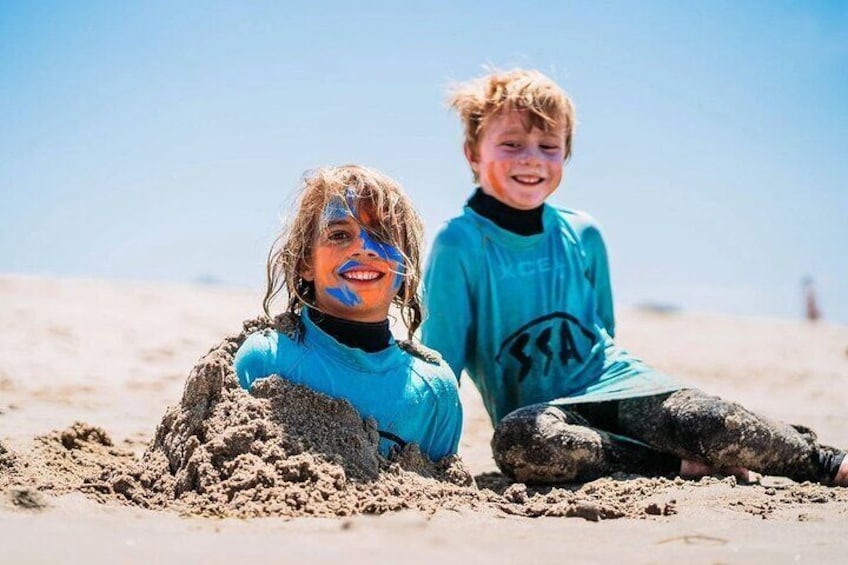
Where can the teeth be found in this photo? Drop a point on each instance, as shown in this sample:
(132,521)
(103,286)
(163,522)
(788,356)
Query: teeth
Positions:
(527,179)
(362,275)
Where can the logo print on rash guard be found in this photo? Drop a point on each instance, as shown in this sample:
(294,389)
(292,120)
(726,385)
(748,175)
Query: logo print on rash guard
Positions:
(552,339)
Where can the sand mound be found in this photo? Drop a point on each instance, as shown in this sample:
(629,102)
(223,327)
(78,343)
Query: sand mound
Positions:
(282,450)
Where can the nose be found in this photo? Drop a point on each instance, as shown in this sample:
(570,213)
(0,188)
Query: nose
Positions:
(367,246)
(530,155)
(364,251)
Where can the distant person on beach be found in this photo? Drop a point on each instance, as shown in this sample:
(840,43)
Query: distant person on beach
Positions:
(518,295)
(350,251)
(811,304)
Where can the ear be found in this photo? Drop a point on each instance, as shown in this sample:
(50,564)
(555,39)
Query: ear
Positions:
(471,157)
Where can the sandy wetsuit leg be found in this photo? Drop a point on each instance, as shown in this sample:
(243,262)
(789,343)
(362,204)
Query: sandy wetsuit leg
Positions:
(694,425)
(549,444)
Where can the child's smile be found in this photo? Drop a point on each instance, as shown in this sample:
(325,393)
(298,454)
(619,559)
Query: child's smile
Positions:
(357,272)
(519,167)
(528,179)
(355,276)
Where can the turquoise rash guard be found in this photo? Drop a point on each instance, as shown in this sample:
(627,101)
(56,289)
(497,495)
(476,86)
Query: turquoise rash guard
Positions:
(412,399)
(530,318)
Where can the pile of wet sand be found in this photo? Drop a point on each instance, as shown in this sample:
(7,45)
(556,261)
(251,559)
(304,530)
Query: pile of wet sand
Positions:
(281,450)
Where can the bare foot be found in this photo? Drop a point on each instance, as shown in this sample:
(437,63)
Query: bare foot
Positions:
(841,478)
(691,469)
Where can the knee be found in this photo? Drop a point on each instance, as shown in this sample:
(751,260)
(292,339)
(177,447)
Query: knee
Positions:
(540,445)
(519,435)
(698,413)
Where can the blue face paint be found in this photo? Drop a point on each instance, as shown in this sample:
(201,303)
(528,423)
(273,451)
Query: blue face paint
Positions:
(348,265)
(344,295)
(384,251)
(398,278)
(335,210)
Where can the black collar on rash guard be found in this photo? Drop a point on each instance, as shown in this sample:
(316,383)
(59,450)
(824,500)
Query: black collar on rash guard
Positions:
(521,222)
(367,336)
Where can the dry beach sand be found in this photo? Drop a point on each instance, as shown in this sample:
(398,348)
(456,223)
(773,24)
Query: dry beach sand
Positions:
(117,445)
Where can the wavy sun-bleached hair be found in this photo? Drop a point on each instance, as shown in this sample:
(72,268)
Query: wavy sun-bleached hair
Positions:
(546,105)
(395,222)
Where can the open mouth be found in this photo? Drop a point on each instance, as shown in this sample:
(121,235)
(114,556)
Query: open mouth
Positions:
(362,275)
(529,180)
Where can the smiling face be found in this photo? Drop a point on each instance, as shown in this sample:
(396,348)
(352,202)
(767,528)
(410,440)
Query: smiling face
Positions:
(520,167)
(355,276)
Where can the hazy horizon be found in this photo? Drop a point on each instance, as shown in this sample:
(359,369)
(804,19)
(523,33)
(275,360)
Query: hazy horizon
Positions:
(155,141)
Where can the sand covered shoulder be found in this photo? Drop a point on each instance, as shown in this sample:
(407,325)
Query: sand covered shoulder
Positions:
(95,377)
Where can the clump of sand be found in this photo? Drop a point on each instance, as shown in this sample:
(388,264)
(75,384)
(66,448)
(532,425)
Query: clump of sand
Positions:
(619,496)
(78,458)
(8,466)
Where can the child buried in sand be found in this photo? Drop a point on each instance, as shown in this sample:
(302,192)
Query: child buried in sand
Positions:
(351,250)
(519,296)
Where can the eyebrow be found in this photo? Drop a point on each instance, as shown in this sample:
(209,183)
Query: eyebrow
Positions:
(338,222)
(349,221)
(522,131)
(513,131)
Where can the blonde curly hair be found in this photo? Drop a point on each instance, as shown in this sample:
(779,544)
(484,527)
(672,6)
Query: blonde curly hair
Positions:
(395,223)
(545,105)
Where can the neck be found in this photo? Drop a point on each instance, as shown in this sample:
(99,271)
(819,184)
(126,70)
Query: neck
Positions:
(520,222)
(367,336)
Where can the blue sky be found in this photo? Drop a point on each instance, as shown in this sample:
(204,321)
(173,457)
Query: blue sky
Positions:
(163,140)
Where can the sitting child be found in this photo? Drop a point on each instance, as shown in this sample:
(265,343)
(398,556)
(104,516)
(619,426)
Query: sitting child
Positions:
(350,251)
(519,296)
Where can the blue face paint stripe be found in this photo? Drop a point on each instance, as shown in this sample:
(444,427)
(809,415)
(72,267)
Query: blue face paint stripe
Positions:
(344,295)
(348,265)
(398,277)
(335,210)
(385,252)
